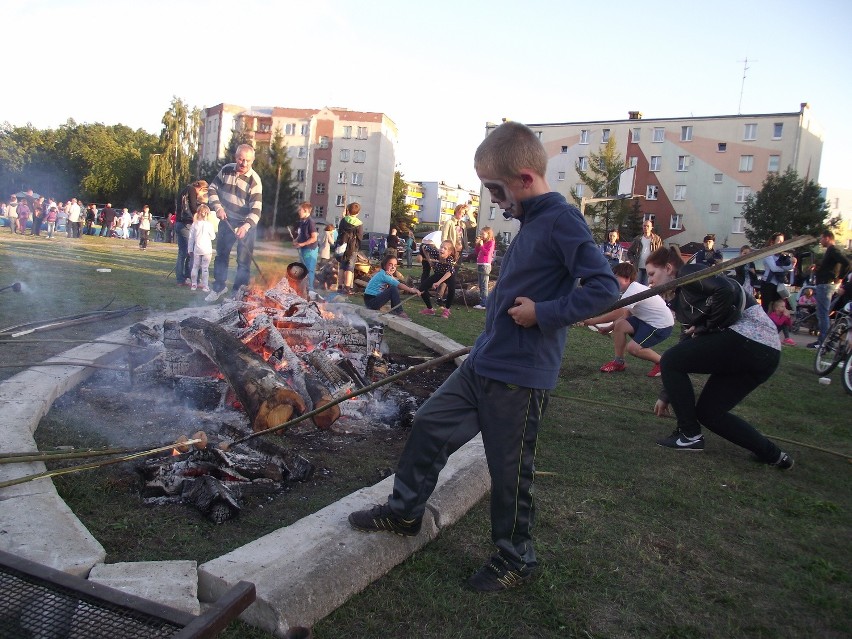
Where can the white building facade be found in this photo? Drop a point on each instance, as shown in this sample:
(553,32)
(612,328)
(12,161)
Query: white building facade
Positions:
(693,174)
(337,156)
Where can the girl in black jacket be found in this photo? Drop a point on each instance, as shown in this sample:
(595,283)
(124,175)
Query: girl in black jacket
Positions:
(726,336)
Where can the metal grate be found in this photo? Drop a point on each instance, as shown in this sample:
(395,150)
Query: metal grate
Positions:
(30,608)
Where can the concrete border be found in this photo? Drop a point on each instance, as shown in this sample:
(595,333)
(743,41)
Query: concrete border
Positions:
(302,572)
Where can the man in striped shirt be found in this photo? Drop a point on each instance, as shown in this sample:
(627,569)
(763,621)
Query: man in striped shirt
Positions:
(235,194)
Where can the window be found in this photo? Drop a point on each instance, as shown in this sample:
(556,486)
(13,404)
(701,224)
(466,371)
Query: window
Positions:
(360,155)
(686,134)
(582,163)
(723,146)
(358,179)
(746,163)
(774,163)
(362,133)
(290,129)
(604,136)
(738,225)
(492,212)
(676,222)
(341,177)
(683,163)
(717,178)
(659,134)
(560,176)
(300,196)
(651,192)
(564,149)
(322,165)
(306,128)
(602,164)
(635,134)
(320,188)
(341,200)
(347,132)
(319,211)
(584,136)
(742,193)
(538,134)
(777,129)
(632,161)
(300,175)
(579,189)
(680,192)
(323,142)
(649,217)
(344,155)
(655,163)
(714,208)
(750,132)
(302,152)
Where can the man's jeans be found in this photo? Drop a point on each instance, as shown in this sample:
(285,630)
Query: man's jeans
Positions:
(823,298)
(225,239)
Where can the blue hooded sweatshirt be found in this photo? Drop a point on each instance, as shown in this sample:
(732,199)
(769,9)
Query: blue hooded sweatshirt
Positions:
(550,255)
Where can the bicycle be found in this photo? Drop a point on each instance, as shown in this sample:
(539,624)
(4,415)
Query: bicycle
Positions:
(846,375)
(836,346)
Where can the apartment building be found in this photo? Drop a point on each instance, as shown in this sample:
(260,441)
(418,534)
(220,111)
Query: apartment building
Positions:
(840,206)
(439,201)
(693,174)
(337,156)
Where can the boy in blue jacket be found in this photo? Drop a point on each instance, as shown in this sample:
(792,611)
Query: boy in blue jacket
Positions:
(501,389)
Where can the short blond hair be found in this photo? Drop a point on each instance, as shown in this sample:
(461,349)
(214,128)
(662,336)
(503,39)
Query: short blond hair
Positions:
(509,148)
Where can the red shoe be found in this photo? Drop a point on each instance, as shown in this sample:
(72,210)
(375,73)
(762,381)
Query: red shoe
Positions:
(654,372)
(613,367)
(789,342)
(445,313)
(427,311)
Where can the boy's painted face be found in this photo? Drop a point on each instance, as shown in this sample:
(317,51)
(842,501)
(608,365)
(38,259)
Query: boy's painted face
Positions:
(501,194)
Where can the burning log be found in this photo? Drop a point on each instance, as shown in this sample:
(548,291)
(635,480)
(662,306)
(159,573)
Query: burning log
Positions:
(263,394)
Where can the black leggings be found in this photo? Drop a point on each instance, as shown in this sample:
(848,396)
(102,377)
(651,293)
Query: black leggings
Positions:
(426,287)
(736,365)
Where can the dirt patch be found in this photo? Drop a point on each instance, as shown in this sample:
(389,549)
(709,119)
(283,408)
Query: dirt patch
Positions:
(102,413)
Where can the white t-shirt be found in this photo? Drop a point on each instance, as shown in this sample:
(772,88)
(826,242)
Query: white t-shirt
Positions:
(652,311)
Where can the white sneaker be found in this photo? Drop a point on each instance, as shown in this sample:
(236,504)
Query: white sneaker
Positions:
(479,307)
(193,287)
(214,295)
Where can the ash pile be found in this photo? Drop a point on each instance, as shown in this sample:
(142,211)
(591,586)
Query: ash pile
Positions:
(271,357)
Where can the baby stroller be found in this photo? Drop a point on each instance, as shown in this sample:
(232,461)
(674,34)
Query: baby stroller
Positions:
(805,318)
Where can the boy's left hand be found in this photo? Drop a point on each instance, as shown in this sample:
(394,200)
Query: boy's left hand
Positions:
(523,312)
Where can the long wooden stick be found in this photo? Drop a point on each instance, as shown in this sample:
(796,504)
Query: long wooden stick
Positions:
(70,341)
(355,393)
(92,465)
(393,308)
(105,367)
(54,455)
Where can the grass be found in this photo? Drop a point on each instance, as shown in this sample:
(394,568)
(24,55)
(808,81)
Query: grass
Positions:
(634,540)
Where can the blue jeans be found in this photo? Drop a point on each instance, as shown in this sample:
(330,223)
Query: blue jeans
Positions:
(225,240)
(822,293)
(183,265)
(483,270)
(390,294)
(736,366)
(309,259)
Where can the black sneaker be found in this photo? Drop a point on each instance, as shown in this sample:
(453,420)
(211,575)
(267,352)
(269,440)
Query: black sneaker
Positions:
(813,345)
(497,575)
(382,519)
(785,462)
(679,441)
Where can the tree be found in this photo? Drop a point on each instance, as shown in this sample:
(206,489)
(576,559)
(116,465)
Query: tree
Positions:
(788,204)
(170,168)
(279,192)
(400,216)
(601,180)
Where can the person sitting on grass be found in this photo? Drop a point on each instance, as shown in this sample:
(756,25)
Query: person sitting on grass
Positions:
(383,287)
(780,316)
(443,262)
(648,322)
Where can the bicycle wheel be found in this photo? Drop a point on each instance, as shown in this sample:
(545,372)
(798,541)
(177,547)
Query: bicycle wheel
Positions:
(846,375)
(833,348)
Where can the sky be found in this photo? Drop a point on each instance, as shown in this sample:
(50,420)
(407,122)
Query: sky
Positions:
(439,69)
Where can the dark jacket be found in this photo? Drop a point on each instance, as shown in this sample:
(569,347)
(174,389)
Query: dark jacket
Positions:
(710,304)
(551,253)
(188,204)
(826,272)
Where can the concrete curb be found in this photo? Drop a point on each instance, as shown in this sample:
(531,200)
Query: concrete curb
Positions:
(302,572)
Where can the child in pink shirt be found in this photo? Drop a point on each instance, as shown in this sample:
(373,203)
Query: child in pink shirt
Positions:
(780,316)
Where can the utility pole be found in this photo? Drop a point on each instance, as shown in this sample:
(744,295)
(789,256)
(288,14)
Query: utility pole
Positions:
(275,205)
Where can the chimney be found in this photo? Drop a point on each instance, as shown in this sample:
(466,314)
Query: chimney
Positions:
(634,115)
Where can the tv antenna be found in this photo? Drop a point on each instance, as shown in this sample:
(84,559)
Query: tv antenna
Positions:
(742,87)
